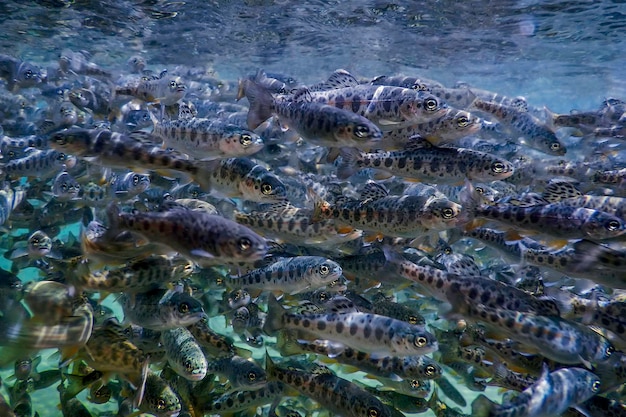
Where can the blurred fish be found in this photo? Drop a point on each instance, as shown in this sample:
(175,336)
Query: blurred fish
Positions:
(184,354)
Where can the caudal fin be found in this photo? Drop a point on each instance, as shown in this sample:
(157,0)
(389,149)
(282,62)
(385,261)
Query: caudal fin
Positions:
(350,158)
(482,406)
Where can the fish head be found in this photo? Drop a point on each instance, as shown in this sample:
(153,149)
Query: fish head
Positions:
(603,225)
(29,75)
(75,141)
(262,186)
(441,213)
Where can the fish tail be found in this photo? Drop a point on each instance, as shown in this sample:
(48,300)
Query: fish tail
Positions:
(482,406)
(273,321)
(261,102)
(270,367)
(203,175)
(350,158)
(113,217)
(470,199)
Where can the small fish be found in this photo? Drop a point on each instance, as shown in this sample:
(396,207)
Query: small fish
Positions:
(38,245)
(536,134)
(402,216)
(65,187)
(166,90)
(207,138)
(184,354)
(241,373)
(318,123)
(231,402)
(129,185)
(555,219)
(551,395)
(338,395)
(428,163)
(162,310)
(19,74)
(78,63)
(159,399)
(88,100)
(200,237)
(371,333)
(39,163)
(290,275)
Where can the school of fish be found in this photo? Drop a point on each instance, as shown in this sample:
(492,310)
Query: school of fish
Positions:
(176,244)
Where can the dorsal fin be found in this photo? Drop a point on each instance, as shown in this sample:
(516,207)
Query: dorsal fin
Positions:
(302,95)
(373,191)
(340,79)
(416,143)
(560,190)
(185,112)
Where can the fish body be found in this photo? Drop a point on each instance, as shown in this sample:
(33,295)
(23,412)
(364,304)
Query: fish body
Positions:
(128,185)
(371,333)
(319,123)
(39,163)
(338,395)
(536,134)
(295,225)
(428,163)
(200,237)
(19,74)
(184,354)
(242,374)
(291,275)
(402,216)
(551,395)
(159,399)
(166,90)
(449,128)
(89,100)
(207,138)
(554,219)
(162,310)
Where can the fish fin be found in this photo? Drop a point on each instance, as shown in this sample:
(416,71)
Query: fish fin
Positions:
(450,391)
(19,252)
(550,118)
(287,344)
(273,320)
(582,410)
(373,191)
(469,199)
(261,102)
(350,161)
(340,79)
(417,143)
(560,190)
(482,406)
(202,254)
(302,95)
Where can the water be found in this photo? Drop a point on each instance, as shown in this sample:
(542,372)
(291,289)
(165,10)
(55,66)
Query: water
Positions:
(561,54)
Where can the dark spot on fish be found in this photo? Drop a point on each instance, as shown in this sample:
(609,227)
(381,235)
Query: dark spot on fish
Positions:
(339,327)
(356,104)
(353,329)
(367,331)
(378,333)
(321,325)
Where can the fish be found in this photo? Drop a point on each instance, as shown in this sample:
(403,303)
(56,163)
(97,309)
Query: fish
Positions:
(205,239)
(402,216)
(319,123)
(290,275)
(371,333)
(20,74)
(207,138)
(427,163)
(551,395)
(162,310)
(336,394)
(159,398)
(535,133)
(241,373)
(184,354)
(164,89)
(38,163)
(558,220)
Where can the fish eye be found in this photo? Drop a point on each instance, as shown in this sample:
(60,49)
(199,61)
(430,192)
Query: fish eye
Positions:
(244,244)
(172,83)
(609,351)
(361,131)
(219,281)
(414,383)
(324,269)
(480,190)
(430,370)
(462,121)
(161,404)
(555,146)
(135,179)
(64,187)
(447,213)
(430,104)
(323,296)
(412,320)
(373,412)
(612,225)
(252,376)
(245,140)
(596,386)
(183,308)
(420,341)
(61,157)
(497,167)
(60,140)
(28,74)
(266,188)
(188,365)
